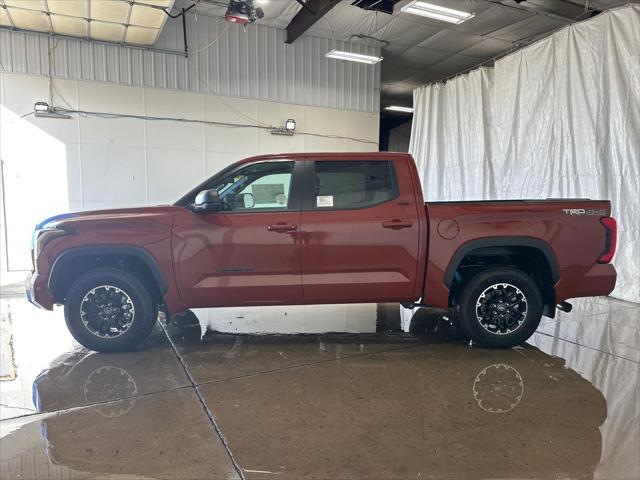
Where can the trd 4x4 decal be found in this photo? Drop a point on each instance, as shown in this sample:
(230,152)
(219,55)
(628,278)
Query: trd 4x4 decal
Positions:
(582,211)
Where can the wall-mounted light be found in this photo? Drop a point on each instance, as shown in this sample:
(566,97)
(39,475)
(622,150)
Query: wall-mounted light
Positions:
(424,9)
(288,129)
(353,57)
(290,125)
(43,109)
(397,108)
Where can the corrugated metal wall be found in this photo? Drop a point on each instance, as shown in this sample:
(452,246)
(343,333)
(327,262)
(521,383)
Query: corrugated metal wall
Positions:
(251,62)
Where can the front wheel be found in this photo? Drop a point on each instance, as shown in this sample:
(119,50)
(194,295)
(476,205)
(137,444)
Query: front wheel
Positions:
(500,307)
(109,310)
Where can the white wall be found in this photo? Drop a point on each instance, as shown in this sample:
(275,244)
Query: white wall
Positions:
(89,163)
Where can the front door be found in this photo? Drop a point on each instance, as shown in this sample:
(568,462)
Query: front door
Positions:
(360,239)
(247,253)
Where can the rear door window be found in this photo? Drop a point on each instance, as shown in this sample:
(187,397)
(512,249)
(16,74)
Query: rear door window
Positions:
(353,184)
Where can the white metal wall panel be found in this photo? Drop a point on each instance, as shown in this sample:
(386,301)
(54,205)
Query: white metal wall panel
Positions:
(252,62)
(121,162)
(88,163)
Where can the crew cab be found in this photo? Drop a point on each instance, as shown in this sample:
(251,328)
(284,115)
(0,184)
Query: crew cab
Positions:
(317,228)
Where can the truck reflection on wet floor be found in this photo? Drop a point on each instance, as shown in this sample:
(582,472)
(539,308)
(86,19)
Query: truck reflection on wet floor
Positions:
(349,406)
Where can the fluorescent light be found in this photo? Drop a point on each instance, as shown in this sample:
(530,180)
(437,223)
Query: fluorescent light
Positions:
(352,57)
(425,9)
(396,108)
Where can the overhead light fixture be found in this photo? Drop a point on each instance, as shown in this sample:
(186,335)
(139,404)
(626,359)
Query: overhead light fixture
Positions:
(353,57)
(397,108)
(290,125)
(43,109)
(425,9)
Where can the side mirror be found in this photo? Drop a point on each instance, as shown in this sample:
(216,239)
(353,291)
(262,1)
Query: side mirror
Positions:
(207,201)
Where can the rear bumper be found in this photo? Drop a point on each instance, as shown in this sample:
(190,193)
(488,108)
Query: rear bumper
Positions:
(599,280)
(602,278)
(37,292)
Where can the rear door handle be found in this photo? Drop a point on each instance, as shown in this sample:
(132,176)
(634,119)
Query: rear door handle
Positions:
(397,224)
(282,227)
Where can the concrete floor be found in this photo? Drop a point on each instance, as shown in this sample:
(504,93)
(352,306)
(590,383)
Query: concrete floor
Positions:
(322,406)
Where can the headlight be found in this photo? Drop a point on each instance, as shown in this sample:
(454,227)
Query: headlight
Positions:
(44,236)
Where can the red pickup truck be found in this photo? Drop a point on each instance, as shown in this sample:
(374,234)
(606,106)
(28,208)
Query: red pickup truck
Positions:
(322,228)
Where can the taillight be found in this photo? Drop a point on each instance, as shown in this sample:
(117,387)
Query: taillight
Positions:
(610,239)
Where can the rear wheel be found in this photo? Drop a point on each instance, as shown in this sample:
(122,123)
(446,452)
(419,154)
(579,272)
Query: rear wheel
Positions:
(500,307)
(108,310)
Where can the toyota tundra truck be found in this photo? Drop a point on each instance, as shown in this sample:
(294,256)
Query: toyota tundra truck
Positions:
(315,228)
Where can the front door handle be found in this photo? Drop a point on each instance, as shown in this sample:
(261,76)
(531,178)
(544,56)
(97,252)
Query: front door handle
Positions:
(397,224)
(282,227)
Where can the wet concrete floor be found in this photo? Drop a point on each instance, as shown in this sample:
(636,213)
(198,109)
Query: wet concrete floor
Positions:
(377,406)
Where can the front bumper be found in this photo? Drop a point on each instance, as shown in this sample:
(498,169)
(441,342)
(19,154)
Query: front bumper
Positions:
(37,292)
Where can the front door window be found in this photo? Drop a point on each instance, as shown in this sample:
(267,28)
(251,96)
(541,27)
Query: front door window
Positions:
(257,187)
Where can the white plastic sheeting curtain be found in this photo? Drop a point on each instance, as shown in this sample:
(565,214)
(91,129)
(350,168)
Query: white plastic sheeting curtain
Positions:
(450,137)
(560,118)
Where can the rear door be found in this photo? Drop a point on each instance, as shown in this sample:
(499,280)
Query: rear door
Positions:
(360,231)
(248,253)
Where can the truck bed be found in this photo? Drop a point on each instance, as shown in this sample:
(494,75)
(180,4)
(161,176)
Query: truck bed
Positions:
(568,230)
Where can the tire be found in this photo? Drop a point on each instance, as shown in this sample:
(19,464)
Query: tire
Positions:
(500,307)
(109,310)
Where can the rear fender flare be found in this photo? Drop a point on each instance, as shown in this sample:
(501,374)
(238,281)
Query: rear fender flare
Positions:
(468,247)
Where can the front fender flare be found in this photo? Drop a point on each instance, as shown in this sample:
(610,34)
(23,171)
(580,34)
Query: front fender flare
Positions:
(92,250)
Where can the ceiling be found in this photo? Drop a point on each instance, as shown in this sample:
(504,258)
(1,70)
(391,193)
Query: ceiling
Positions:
(417,50)
(134,22)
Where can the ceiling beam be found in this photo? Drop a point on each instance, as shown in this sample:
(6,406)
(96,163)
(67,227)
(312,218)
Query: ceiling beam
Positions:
(312,11)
